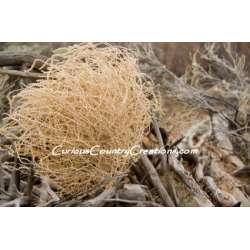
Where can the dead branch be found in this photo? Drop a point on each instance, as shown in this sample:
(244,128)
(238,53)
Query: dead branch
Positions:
(47,195)
(30,184)
(199,171)
(22,74)
(163,156)
(167,173)
(4,156)
(155,179)
(101,199)
(136,202)
(133,192)
(244,171)
(223,198)
(14,203)
(199,195)
(19,58)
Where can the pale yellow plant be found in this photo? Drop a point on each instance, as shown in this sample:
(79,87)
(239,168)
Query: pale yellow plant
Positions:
(94,94)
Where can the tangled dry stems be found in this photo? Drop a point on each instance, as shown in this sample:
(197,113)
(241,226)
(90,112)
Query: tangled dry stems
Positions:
(93,95)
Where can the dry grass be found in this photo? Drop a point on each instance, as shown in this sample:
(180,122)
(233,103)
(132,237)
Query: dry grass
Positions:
(93,95)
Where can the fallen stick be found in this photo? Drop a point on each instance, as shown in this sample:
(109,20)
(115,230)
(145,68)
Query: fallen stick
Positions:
(133,192)
(22,74)
(160,139)
(10,58)
(199,172)
(245,171)
(101,199)
(4,156)
(137,202)
(233,184)
(46,192)
(199,195)
(167,173)
(14,203)
(223,198)
(155,179)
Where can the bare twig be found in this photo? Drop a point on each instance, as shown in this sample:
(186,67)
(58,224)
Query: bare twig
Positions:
(133,192)
(223,198)
(133,202)
(199,195)
(163,156)
(166,169)
(14,203)
(9,58)
(46,193)
(30,184)
(155,179)
(22,74)
(100,200)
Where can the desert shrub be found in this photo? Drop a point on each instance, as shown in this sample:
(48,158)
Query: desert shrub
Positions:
(93,94)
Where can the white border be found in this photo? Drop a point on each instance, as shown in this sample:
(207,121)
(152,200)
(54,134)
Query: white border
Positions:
(124,228)
(130,20)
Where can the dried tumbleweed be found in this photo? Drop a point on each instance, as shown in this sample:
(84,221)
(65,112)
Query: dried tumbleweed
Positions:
(93,95)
